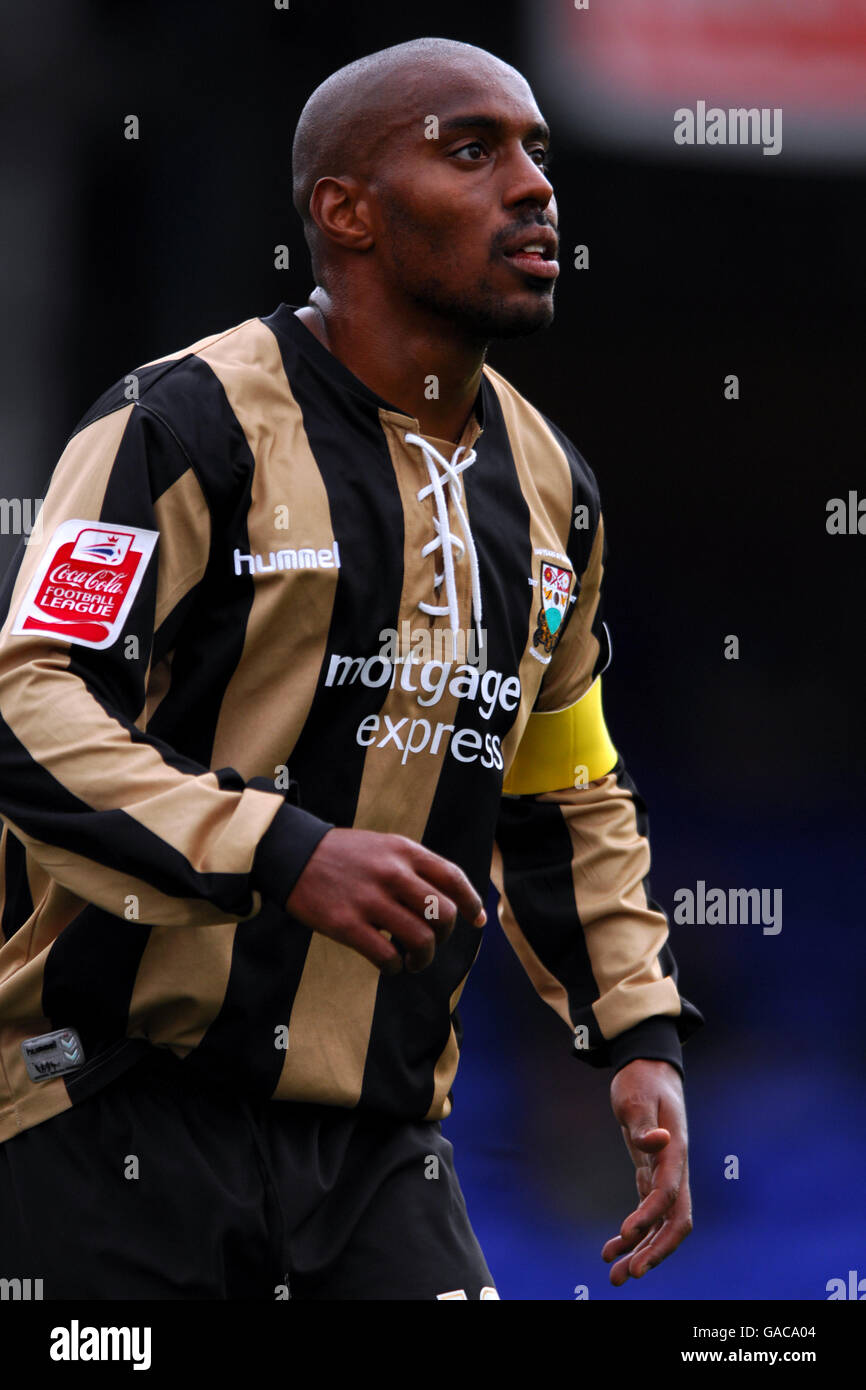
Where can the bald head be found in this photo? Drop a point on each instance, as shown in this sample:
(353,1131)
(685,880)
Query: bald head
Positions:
(346,125)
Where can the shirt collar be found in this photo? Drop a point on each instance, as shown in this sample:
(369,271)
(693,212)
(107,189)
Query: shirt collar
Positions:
(284,321)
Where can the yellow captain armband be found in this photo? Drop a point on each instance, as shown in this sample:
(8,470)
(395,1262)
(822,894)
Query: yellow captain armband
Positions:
(567,748)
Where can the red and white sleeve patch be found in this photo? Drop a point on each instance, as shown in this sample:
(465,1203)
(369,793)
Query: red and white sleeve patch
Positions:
(86,582)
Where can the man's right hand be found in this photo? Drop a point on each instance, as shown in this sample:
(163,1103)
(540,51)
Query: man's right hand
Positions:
(358,884)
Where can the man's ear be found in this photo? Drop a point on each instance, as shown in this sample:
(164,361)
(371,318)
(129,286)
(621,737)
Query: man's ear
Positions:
(340,210)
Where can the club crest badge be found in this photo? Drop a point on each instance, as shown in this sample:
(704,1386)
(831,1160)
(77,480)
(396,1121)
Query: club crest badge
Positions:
(554,592)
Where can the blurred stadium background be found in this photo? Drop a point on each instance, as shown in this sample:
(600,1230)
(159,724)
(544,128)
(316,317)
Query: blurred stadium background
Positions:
(702,263)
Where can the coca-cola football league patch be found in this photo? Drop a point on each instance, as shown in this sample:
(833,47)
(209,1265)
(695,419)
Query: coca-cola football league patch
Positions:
(86,582)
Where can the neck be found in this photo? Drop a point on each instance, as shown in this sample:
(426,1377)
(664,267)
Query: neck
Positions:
(401,354)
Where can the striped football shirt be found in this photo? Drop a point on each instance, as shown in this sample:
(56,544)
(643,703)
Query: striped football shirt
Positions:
(258,604)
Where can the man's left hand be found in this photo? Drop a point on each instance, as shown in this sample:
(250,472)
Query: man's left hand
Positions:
(647,1099)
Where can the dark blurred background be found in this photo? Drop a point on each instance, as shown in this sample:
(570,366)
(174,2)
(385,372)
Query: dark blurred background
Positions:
(702,263)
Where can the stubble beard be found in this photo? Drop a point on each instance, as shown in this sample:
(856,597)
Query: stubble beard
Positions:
(478,313)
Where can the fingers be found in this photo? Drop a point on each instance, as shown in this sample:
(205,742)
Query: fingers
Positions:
(659,1242)
(418,936)
(652,1209)
(414,911)
(426,906)
(660,1197)
(369,943)
(425,900)
(451,882)
(650,1141)
(662,1219)
(360,887)
(614,1249)
(669,1235)
(616,1246)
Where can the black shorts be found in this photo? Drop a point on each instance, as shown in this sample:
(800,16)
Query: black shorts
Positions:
(159,1186)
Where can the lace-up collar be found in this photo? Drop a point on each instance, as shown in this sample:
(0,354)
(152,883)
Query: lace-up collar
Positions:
(286,324)
(445,539)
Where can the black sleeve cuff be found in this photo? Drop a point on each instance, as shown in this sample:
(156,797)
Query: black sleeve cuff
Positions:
(283,851)
(656,1039)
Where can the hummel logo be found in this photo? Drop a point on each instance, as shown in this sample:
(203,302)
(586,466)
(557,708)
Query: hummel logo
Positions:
(289,560)
(69,1046)
(52,1054)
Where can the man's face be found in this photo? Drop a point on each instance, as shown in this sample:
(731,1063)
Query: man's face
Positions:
(451,211)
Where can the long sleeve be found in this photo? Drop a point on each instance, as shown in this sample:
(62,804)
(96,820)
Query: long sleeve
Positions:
(95,598)
(572,858)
